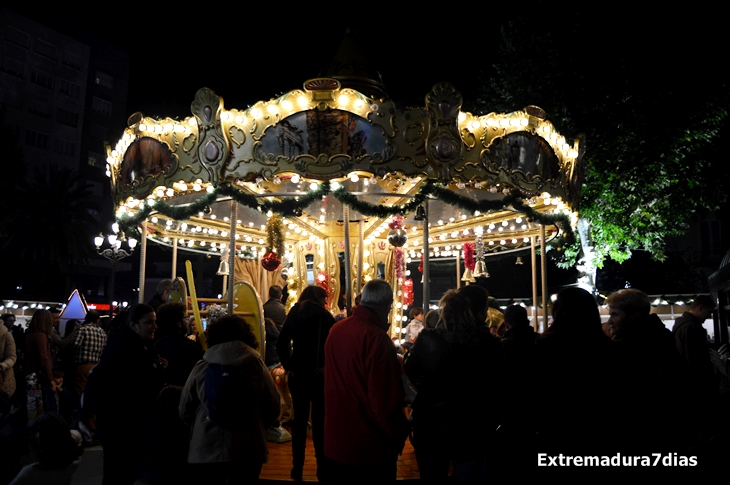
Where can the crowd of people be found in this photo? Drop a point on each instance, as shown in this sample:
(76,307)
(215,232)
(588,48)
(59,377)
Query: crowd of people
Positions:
(478,403)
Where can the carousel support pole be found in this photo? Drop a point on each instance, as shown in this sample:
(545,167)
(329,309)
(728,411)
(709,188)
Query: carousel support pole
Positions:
(543,270)
(533,260)
(232,254)
(142,262)
(426,272)
(348,277)
(458,270)
(358,285)
(174,258)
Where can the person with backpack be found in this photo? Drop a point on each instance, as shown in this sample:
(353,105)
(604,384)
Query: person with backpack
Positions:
(230,400)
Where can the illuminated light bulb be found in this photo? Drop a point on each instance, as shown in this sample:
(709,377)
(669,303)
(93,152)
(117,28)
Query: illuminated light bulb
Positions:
(142,127)
(359,104)
(504,223)
(272,109)
(465,232)
(491,243)
(518,220)
(160,192)
(313,186)
(366,266)
(523,121)
(399,305)
(295,178)
(196,187)
(170,192)
(302,101)
(475,125)
(514,122)
(239,119)
(354,177)
(491,121)
(261,241)
(343,99)
(154,220)
(335,185)
(514,241)
(504,122)
(256,113)
(546,129)
(287,105)
(527,239)
(225,116)
(500,229)
(462,116)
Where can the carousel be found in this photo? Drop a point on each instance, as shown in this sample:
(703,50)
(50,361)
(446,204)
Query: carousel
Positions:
(335,184)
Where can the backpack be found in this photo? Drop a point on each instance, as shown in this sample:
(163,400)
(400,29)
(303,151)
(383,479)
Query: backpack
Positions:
(229,395)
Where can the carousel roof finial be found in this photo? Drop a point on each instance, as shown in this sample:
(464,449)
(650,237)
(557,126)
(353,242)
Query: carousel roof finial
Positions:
(351,67)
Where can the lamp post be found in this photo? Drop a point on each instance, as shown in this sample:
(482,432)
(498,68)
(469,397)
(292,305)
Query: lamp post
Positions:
(114,253)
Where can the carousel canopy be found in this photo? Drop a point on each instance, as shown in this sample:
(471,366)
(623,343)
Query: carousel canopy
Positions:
(306,153)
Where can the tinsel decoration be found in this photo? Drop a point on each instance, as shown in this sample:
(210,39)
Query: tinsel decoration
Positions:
(396,222)
(400,264)
(480,268)
(322,282)
(293,206)
(274,236)
(408,292)
(469,256)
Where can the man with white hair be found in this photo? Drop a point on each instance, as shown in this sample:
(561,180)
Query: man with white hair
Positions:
(365,427)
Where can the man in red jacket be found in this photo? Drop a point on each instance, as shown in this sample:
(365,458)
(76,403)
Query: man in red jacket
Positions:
(365,427)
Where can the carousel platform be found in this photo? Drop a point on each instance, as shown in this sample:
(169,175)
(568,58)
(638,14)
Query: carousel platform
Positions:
(278,468)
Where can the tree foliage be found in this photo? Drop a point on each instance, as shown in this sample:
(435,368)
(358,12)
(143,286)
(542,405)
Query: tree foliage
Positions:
(651,128)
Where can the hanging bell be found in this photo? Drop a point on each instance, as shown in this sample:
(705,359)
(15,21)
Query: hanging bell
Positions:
(420,214)
(480,270)
(222,269)
(468,276)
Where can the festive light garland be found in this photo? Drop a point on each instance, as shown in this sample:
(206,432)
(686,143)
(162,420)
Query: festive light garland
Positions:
(293,206)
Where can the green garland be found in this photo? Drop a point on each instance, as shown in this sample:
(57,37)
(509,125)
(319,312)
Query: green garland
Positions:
(293,207)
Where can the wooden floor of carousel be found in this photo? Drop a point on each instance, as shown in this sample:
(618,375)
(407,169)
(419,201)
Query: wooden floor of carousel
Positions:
(278,469)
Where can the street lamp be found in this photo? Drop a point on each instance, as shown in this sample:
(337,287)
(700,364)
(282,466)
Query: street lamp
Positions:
(114,253)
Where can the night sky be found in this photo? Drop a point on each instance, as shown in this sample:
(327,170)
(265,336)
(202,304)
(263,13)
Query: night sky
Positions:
(248,56)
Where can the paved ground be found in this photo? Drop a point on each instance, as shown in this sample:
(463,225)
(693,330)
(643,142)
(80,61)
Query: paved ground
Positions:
(275,471)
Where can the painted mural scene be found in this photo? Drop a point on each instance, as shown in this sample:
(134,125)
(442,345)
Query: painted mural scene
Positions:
(517,271)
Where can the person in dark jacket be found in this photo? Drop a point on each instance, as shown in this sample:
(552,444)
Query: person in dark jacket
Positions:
(652,374)
(442,365)
(274,308)
(306,328)
(577,363)
(691,340)
(519,377)
(171,343)
(122,391)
